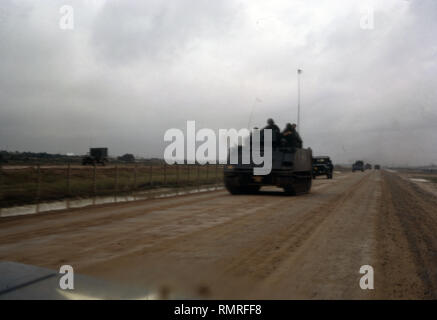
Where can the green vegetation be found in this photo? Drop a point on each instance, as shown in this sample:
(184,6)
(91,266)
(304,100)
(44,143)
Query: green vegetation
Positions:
(28,185)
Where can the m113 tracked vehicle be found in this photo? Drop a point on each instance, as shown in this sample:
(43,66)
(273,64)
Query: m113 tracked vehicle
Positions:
(291,170)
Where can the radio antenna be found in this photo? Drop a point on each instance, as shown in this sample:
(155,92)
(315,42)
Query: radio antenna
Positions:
(251,113)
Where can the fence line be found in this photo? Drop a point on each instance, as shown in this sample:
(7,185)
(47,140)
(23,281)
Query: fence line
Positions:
(37,184)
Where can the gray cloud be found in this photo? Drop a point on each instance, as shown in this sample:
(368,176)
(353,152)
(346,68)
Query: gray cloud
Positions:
(130,70)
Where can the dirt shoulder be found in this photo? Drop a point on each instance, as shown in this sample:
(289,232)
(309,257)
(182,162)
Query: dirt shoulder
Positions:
(407,231)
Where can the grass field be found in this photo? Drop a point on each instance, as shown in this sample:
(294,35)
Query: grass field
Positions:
(33,184)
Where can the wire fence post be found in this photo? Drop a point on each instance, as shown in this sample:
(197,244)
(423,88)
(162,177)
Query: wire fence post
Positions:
(216,175)
(95,180)
(207,176)
(165,174)
(177,176)
(68,185)
(69,180)
(1,188)
(188,177)
(151,179)
(94,192)
(116,183)
(198,177)
(38,186)
(135,176)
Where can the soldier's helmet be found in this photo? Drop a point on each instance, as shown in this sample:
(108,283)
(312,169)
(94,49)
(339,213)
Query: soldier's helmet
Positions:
(270,121)
(288,126)
(293,126)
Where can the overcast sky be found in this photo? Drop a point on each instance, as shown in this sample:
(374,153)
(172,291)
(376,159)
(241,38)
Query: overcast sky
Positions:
(130,70)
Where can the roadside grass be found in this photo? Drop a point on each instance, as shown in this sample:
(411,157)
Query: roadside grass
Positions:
(432,179)
(29,186)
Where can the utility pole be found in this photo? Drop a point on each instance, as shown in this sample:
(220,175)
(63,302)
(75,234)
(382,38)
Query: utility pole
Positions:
(299,71)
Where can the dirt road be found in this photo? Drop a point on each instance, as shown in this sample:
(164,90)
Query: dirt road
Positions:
(214,245)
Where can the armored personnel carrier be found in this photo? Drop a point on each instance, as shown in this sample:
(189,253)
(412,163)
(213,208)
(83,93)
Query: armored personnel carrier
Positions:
(291,170)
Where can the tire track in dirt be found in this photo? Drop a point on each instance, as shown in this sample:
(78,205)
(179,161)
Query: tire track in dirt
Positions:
(235,209)
(105,235)
(326,264)
(291,237)
(244,248)
(229,244)
(96,225)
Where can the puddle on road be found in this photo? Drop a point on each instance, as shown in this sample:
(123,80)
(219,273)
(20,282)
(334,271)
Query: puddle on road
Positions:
(80,203)
(418,180)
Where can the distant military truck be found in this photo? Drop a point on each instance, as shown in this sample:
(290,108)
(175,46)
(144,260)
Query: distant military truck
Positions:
(377,167)
(96,156)
(322,165)
(358,166)
(368,166)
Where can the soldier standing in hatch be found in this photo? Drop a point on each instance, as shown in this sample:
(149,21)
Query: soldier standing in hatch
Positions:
(276,132)
(291,136)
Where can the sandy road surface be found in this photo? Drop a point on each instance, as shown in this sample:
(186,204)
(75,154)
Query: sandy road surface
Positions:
(214,245)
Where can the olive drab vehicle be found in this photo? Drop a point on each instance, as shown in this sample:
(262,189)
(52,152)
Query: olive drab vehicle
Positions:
(358,166)
(291,170)
(96,156)
(322,166)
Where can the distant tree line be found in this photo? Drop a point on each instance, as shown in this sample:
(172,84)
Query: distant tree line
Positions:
(16,156)
(128,157)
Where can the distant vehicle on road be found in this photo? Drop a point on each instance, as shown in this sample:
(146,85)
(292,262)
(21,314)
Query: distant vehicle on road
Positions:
(358,166)
(368,166)
(96,156)
(377,167)
(128,157)
(322,165)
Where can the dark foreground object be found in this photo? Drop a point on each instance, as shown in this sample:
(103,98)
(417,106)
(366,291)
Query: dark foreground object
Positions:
(27,282)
